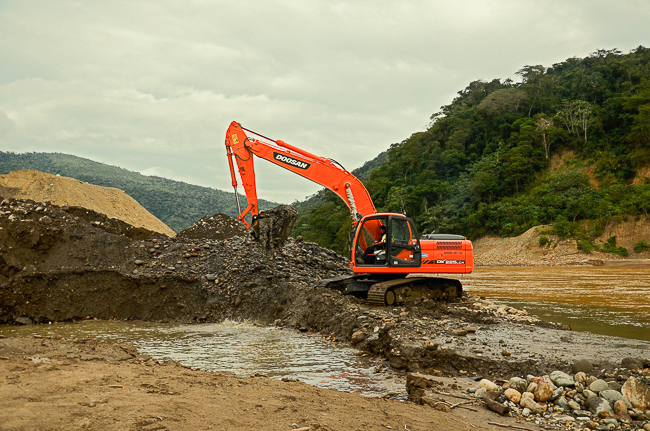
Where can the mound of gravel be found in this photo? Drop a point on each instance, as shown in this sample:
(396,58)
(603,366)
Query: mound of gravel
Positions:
(214,227)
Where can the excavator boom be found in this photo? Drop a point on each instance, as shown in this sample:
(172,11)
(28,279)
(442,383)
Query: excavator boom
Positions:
(325,172)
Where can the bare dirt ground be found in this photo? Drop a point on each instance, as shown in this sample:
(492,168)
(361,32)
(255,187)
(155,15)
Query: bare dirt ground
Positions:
(524,250)
(63,191)
(49,384)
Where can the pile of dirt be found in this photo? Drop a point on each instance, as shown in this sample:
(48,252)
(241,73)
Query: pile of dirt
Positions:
(62,191)
(214,227)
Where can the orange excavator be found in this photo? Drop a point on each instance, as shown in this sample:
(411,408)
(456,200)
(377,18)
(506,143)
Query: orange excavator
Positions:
(391,263)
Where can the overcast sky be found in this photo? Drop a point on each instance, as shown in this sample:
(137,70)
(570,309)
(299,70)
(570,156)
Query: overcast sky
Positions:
(152,86)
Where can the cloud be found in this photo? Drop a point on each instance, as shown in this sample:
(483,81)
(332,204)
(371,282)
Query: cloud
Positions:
(155,84)
(7,125)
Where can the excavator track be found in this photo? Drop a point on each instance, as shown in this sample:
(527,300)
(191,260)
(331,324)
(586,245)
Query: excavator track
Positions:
(401,290)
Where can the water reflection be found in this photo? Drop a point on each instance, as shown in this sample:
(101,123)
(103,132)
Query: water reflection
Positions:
(604,300)
(239,348)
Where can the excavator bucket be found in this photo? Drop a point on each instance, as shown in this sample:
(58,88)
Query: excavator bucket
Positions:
(272,227)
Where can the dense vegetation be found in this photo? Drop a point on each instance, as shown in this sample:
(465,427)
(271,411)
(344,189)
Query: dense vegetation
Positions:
(483,166)
(179,205)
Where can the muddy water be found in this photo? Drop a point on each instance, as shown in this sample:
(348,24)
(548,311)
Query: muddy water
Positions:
(239,348)
(603,300)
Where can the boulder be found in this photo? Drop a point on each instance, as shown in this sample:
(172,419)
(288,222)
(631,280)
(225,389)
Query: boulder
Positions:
(620,408)
(513,395)
(637,393)
(613,396)
(632,363)
(562,379)
(588,394)
(580,377)
(529,403)
(544,390)
(488,385)
(599,407)
(562,402)
(581,365)
(518,384)
(358,337)
(599,386)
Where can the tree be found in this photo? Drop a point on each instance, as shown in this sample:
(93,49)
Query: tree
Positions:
(503,101)
(577,116)
(548,131)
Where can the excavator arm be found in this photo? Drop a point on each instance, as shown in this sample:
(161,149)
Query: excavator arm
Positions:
(325,172)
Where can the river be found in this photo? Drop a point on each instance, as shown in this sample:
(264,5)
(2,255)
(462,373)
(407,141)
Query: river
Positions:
(603,300)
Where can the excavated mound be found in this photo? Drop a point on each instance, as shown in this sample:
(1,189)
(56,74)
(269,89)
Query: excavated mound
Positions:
(214,227)
(62,191)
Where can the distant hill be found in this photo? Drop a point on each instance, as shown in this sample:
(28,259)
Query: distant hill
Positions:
(568,147)
(177,204)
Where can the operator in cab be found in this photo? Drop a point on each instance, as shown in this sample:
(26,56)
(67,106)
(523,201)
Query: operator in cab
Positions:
(369,255)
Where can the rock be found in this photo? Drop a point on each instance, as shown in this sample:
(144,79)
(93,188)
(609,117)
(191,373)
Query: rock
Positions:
(470,329)
(565,418)
(488,385)
(45,220)
(529,403)
(620,408)
(562,379)
(615,386)
(526,395)
(557,393)
(591,425)
(581,365)
(480,393)
(613,396)
(632,364)
(611,421)
(562,402)
(459,332)
(599,386)
(506,353)
(580,377)
(358,337)
(518,384)
(544,390)
(588,394)
(574,405)
(590,380)
(525,412)
(637,393)
(23,320)
(646,427)
(532,387)
(138,262)
(513,395)
(599,406)
(329,265)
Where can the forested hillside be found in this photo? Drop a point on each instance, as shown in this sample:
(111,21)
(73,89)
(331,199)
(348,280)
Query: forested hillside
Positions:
(179,205)
(483,166)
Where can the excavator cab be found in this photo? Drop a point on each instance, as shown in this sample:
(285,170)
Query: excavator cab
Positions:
(398,246)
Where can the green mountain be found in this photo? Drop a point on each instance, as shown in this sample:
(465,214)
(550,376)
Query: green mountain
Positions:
(561,147)
(177,204)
